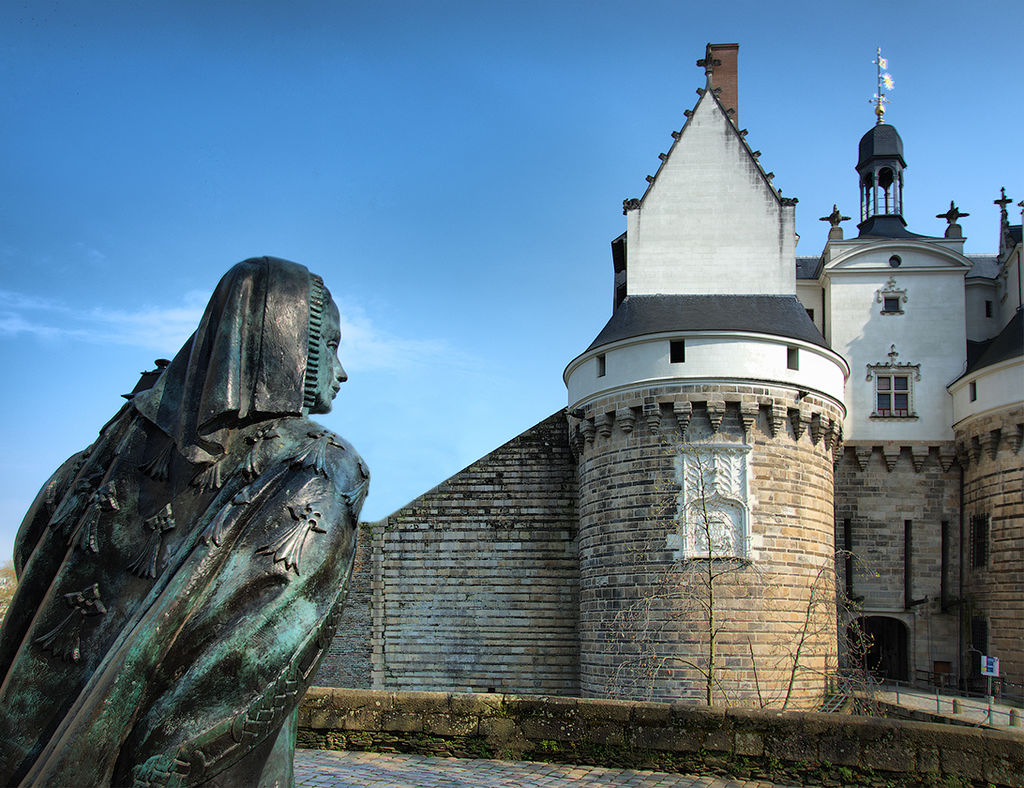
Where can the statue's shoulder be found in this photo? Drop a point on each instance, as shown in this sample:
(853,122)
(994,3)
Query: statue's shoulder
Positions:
(307,445)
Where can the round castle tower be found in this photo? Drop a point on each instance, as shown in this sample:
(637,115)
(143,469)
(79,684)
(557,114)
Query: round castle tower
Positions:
(705,416)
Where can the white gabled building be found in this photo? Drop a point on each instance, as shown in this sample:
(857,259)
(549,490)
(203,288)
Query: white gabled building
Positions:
(747,409)
(933,341)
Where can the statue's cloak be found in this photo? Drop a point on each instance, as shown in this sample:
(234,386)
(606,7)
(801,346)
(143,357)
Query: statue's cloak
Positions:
(179,580)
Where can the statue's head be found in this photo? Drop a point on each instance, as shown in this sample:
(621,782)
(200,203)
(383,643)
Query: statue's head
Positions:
(324,373)
(267,346)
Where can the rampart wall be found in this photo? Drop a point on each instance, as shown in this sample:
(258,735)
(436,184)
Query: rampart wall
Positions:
(803,748)
(474,585)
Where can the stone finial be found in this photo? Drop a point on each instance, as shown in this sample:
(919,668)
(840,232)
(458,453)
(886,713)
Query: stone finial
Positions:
(891,455)
(953,229)
(835,232)
(603,422)
(683,412)
(918,455)
(716,411)
(863,455)
(626,419)
(1005,241)
(630,204)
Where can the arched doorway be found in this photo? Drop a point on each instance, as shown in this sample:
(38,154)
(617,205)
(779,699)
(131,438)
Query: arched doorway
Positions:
(885,653)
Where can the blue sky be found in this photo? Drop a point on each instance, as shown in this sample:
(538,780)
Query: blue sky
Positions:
(454,170)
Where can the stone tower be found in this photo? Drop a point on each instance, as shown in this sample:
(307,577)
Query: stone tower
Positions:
(705,415)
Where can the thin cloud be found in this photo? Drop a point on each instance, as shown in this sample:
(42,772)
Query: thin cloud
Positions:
(365,345)
(161,329)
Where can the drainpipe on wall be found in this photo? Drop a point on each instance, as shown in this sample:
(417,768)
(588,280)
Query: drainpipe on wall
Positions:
(961,678)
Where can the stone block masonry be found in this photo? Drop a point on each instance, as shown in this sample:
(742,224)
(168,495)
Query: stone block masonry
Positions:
(648,607)
(347,662)
(795,748)
(898,503)
(989,449)
(473,585)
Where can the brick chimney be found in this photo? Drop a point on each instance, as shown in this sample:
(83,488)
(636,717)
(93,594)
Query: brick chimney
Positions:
(720,65)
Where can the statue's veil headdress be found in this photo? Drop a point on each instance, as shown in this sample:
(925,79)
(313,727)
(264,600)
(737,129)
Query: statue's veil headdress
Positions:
(240,365)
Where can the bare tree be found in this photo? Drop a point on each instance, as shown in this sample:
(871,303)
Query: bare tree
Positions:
(693,568)
(698,588)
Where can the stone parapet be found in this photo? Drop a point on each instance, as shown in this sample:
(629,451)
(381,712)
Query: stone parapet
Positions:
(666,410)
(796,748)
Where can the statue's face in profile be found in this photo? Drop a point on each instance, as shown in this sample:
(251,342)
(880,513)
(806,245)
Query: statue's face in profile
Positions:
(332,374)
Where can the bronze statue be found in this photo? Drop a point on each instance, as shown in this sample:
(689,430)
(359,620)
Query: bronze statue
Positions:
(180,578)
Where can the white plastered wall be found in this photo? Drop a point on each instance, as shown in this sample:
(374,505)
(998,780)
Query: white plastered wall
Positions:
(996,386)
(977,292)
(930,332)
(720,356)
(710,222)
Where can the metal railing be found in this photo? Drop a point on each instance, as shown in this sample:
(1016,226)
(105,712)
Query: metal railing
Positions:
(860,691)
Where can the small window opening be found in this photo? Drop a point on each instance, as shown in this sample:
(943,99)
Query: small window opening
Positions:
(793,358)
(988,309)
(891,304)
(979,541)
(810,314)
(894,261)
(677,351)
(972,390)
(600,366)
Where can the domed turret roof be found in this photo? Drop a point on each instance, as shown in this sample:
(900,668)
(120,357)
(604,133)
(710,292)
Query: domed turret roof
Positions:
(883,141)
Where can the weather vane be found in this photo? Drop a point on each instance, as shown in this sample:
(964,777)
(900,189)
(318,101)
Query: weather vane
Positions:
(884,83)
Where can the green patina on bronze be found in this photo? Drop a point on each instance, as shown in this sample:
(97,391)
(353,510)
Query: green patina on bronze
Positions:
(181,577)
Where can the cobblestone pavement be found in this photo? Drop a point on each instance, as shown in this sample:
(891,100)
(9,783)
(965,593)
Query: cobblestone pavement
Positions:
(341,769)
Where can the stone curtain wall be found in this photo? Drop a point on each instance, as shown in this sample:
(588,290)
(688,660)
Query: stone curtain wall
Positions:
(347,662)
(475,583)
(878,488)
(796,748)
(989,448)
(643,624)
